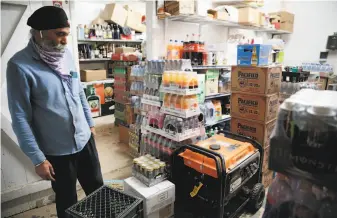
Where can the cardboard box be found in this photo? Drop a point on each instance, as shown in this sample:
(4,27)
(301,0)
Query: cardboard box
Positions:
(286,20)
(134,21)
(154,198)
(92,75)
(233,14)
(212,82)
(130,115)
(179,7)
(267,178)
(103,89)
(220,15)
(122,50)
(201,7)
(249,16)
(254,107)
(201,85)
(123,134)
(256,80)
(165,212)
(116,13)
(120,111)
(265,159)
(258,131)
(254,55)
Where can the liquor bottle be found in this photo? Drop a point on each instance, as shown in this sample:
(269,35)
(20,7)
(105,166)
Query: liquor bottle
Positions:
(80,32)
(104,51)
(94,103)
(110,35)
(105,32)
(254,57)
(112,32)
(118,33)
(92,32)
(86,32)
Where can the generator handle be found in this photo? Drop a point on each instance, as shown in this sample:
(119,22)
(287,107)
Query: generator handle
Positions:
(210,154)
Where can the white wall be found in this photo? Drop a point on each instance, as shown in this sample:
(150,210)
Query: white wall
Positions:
(314,22)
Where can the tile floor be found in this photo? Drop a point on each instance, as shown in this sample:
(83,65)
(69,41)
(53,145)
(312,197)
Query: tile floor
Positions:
(115,163)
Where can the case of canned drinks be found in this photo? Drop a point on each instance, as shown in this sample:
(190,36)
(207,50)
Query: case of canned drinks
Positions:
(304,141)
(149,170)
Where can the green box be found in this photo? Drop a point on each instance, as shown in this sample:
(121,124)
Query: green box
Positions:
(212,82)
(201,85)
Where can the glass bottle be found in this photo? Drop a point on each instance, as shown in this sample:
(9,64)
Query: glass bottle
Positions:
(94,103)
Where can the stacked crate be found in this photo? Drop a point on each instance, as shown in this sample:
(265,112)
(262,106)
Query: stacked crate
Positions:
(124,115)
(254,104)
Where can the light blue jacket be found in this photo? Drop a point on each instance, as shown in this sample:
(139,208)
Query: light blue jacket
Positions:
(48,118)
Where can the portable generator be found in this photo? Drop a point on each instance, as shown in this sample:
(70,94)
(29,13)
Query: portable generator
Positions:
(218,177)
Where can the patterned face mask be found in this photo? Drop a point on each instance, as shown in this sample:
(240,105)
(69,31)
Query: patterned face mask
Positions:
(55,60)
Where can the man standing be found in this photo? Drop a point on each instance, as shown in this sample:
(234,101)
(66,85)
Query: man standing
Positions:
(50,114)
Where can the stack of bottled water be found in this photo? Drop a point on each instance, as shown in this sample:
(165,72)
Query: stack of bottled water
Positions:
(315,67)
(137,70)
(290,88)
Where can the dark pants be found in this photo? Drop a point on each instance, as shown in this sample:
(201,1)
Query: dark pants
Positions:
(83,166)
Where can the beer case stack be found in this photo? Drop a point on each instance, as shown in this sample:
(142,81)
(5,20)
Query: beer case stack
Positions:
(124,115)
(255,98)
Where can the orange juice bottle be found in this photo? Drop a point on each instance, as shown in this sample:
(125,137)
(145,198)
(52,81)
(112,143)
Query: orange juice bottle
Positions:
(166,79)
(190,81)
(173,101)
(178,105)
(167,98)
(185,81)
(195,102)
(184,103)
(170,50)
(180,79)
(195,81)
(173,79)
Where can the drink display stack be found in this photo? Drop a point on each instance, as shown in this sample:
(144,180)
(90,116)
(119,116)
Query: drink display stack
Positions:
(136,92)
(255,97)
(170,112)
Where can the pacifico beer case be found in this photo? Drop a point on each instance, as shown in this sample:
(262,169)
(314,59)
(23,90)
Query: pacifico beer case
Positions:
(254,107)
(256,80)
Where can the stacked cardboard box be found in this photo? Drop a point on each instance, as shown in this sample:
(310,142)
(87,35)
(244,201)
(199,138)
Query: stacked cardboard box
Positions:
(124,114)
(254,102)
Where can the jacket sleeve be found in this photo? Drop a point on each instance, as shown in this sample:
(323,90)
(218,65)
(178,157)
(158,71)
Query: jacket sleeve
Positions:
(85,106)
(18,91)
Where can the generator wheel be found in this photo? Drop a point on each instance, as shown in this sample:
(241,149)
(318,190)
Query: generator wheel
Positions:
(257,195)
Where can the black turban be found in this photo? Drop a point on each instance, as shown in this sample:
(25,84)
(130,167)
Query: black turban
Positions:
(47,18)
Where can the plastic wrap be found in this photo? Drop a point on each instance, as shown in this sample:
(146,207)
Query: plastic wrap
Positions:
(303,150)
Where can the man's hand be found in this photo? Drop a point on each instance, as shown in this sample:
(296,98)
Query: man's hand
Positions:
(45,171)
(93,131)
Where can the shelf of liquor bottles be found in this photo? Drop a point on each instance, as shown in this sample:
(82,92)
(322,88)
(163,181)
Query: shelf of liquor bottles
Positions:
(109,40)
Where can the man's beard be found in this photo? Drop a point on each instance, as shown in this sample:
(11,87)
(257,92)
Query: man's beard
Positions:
(51,46)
